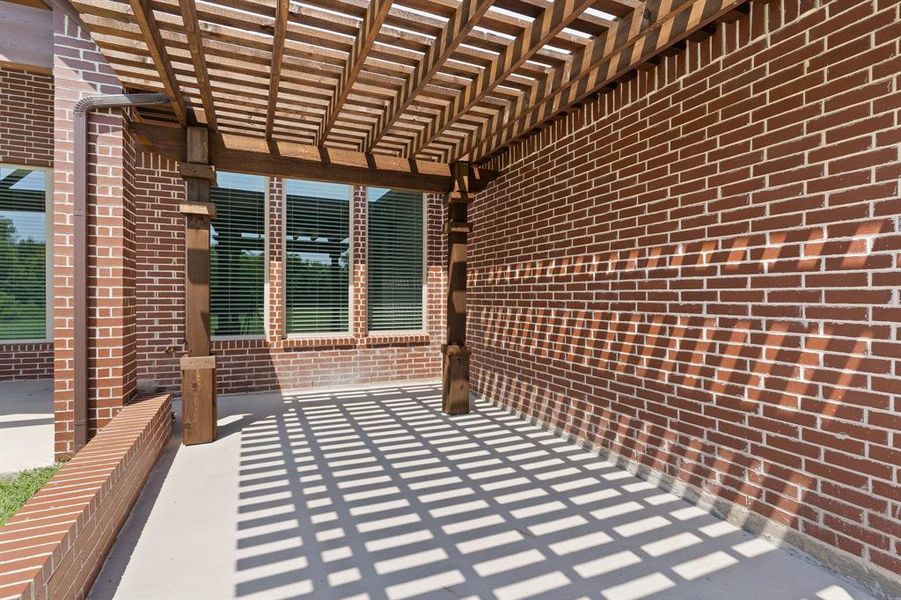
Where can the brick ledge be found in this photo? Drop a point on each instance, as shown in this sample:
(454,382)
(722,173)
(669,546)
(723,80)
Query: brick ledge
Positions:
(54,546)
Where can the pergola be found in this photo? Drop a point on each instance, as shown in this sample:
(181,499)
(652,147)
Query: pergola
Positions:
(409,94)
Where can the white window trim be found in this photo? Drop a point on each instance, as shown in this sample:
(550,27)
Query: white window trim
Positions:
(48,257)
(308,335)
(425,277)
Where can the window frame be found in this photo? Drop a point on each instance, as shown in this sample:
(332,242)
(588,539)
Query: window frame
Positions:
(425,270)
(266,205)
(283,326)
(48,257)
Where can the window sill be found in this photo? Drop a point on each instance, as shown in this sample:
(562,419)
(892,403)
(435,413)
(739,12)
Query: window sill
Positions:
(319,341)
(37,342)
(400,338)
(236,342)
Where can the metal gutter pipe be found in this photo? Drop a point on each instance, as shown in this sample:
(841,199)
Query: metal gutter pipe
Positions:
(80,322)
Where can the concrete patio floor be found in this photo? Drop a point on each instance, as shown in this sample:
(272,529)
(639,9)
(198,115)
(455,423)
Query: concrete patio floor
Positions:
(26,424)
(377,494)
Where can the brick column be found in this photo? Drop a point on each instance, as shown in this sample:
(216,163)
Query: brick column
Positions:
(79,71)
(275,272)
(359,207)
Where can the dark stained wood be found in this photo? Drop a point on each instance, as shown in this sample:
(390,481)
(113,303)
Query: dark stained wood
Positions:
(458,27)
(455,374)
(199,405)
(278,52)
(636,38)
(549,22)
(186,169)
(287,159)
(416,79)
(369,29)
(198,368)
(198,59)
(152,37)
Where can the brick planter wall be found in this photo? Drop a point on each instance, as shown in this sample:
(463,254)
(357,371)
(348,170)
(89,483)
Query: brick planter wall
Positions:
(699,272)
(54,546)
(273,361)
(26,139)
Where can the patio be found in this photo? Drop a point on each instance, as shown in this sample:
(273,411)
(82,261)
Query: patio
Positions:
(375,493)
(26,424)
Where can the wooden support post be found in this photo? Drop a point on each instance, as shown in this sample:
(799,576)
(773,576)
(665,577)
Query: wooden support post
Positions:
(455,395)
(198,366)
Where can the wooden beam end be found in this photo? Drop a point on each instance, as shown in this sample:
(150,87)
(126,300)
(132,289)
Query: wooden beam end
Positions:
(203,209)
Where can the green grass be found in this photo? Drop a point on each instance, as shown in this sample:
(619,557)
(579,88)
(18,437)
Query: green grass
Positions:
(17,488)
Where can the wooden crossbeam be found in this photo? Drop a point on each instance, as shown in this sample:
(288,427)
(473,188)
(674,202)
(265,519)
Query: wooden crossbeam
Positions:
(277,158)
(639,36)
(544,28)
(369,29)
(150,31)
(458,27)
(278,53)
(198,59)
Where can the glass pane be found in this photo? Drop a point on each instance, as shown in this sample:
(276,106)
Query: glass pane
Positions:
(237,256)
(23,254)
(317,253)
(395,265)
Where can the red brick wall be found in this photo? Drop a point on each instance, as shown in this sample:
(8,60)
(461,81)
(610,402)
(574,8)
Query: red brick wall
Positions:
(79,70)
(54,546)
(273,361)
(699,272)
(26,117)
(26,139)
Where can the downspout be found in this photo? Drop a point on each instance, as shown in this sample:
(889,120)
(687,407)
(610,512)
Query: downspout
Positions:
(80,259)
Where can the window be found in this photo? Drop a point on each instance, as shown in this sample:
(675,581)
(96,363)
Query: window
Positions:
(23,254)
(317,257)
(237,255)
(396,260)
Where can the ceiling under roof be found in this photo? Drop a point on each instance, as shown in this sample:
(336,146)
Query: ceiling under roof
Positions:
(431,79)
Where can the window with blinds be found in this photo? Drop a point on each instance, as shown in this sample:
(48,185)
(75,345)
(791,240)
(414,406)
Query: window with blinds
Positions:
(238,255)
(23,254)
(317,257)
(396,261)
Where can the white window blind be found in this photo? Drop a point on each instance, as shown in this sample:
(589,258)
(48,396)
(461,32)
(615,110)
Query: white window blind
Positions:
(395,265)
(23,254)
(317,255)
(237,255)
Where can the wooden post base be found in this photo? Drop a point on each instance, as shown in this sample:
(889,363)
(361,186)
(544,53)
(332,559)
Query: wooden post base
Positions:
(455,395)
(198,399)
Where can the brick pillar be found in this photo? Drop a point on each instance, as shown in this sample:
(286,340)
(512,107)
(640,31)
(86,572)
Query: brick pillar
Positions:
(276,268)
(359,261)
(79,71)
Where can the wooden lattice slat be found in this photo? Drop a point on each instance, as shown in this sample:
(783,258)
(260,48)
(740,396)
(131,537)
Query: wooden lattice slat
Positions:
(433,79)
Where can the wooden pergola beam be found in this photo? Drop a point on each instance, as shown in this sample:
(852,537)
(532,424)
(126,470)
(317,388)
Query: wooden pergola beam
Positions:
(637,37)
(369,29)
(278,53)
(150,32)
(455,369)
(458,27)
(278,158)
(544,28)
(198,366)
(198,59)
